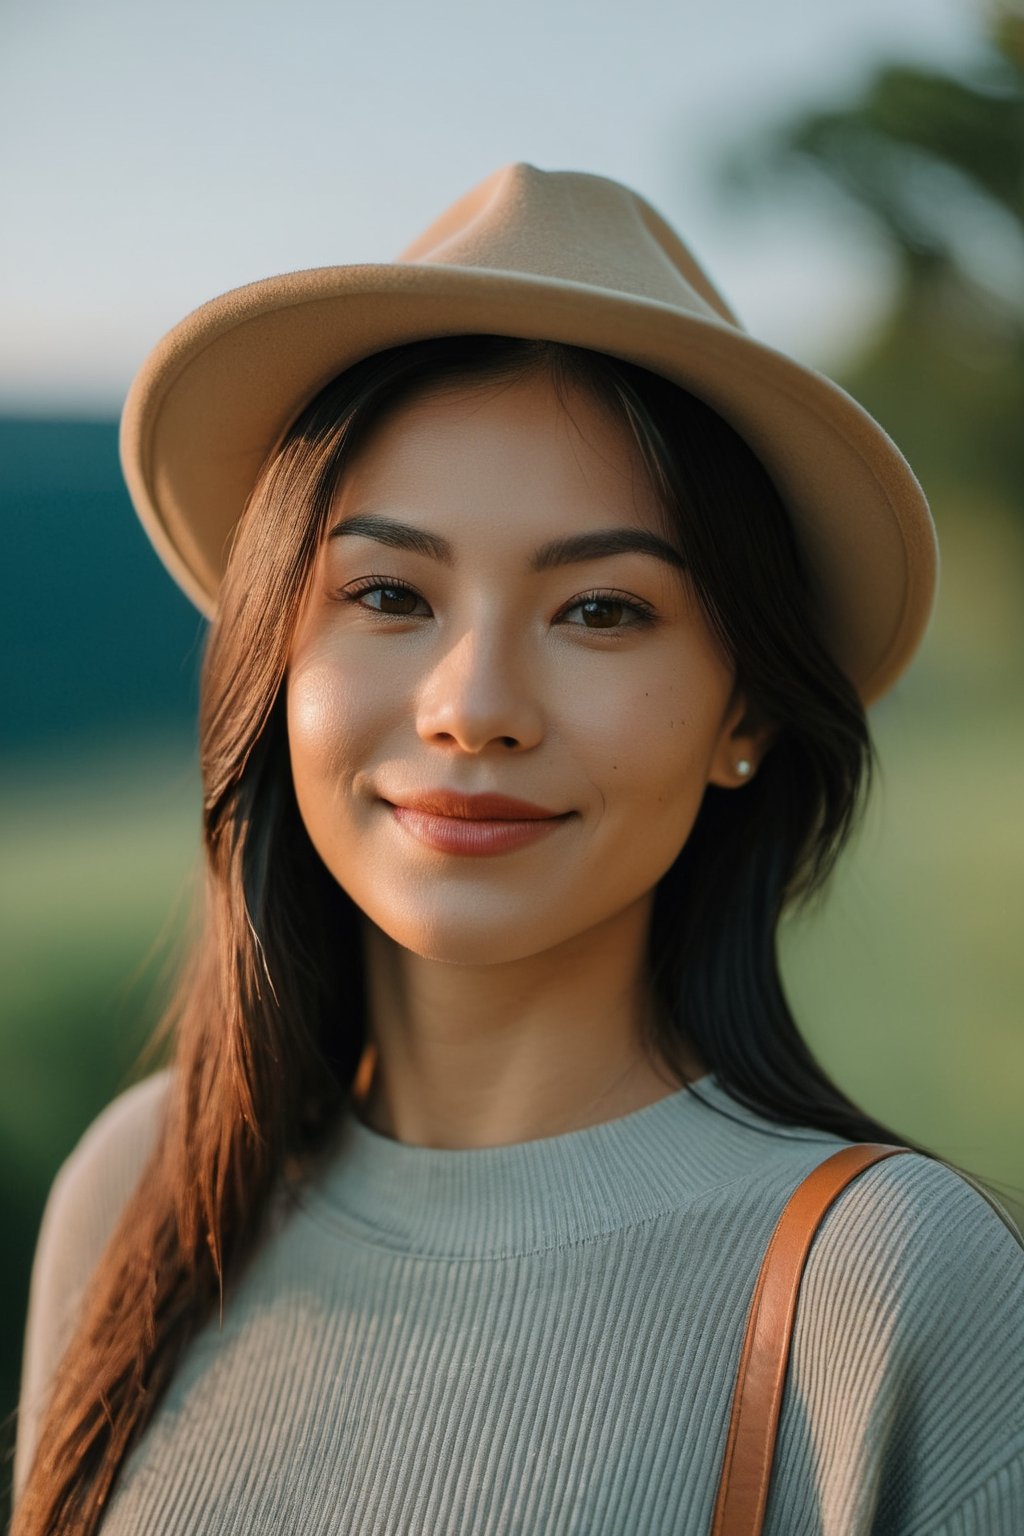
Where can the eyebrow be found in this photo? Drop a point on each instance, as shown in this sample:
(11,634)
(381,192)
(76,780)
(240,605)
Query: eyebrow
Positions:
(598,545)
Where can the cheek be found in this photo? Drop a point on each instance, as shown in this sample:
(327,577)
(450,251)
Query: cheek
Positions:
(652,777)
(650,745)
(334,715)
(319,718)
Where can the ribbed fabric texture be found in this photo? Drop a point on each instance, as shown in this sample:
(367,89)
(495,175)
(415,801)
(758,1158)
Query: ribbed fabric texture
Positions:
(542,1338)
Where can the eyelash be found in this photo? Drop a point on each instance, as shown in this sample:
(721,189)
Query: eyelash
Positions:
(642,613)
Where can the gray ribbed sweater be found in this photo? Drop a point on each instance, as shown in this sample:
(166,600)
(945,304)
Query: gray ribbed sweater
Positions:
(543,1338)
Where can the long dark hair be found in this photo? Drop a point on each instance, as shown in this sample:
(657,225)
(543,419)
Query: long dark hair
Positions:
(263,1059)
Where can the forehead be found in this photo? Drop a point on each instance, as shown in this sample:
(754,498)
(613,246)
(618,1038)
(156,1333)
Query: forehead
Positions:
(506,459)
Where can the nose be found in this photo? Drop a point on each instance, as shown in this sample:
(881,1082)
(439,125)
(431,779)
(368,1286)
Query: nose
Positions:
(478,694)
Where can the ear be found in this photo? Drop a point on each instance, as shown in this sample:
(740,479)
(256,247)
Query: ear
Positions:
(744,739)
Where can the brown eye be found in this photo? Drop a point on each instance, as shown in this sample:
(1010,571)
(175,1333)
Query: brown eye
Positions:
(602,613)
(388,597)
(607,610)
(396,600)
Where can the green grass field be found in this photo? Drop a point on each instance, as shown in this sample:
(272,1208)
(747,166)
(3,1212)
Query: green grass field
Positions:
(909,981)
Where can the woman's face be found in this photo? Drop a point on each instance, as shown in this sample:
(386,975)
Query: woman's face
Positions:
(497,610)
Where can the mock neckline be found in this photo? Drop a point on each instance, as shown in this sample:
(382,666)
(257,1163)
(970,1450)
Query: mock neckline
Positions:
(548,1192)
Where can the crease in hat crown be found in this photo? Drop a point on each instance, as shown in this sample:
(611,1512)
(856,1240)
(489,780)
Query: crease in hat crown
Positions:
(563,255)
(549,223)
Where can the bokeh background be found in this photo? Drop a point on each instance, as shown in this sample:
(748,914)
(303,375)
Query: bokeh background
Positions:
(852,176)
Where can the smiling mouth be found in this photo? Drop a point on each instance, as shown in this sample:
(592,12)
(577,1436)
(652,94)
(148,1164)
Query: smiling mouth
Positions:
(481,834)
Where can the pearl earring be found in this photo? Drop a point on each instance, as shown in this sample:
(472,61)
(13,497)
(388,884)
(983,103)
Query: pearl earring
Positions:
(743,767)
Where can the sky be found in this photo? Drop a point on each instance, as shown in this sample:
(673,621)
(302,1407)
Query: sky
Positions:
(157,156)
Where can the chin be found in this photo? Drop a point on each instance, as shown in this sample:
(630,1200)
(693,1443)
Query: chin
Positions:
(450,941)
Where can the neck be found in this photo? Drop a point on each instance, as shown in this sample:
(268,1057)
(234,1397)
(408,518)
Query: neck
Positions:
(487,1055)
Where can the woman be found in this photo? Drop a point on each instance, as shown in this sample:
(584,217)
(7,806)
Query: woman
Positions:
(547,604)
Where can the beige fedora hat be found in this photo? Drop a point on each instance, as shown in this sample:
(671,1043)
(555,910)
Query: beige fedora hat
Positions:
(561,255)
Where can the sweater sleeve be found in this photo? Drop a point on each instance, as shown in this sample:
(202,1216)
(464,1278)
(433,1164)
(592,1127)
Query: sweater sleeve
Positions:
(903,1412)
(85,1201)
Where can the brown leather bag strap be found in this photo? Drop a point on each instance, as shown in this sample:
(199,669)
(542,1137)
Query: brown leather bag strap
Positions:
(757,1398)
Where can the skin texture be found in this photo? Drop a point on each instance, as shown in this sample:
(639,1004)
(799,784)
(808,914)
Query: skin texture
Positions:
(506,991)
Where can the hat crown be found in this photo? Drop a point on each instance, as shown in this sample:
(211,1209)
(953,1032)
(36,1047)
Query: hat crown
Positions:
(574,227)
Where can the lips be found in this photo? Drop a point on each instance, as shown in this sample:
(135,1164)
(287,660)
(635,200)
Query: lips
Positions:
(475,826)
(444,802)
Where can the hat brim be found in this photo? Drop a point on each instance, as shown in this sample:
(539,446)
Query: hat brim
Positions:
(217,393)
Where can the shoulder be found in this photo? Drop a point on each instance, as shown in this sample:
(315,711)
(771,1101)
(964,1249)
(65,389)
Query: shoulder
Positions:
(916,1220)
(94,1182)
(908,1343)
(913,1251)
(898,1215)
(86,1198)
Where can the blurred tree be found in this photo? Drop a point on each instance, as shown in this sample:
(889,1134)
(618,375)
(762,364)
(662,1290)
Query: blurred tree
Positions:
(936,161)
